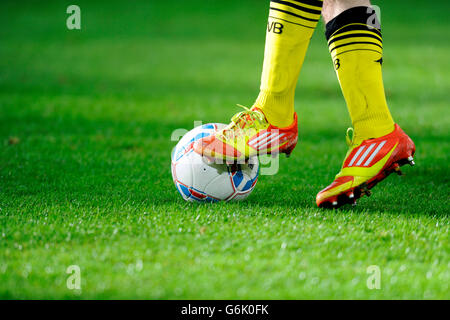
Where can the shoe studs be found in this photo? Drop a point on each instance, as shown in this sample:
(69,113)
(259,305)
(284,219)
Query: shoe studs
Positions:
(365,190)
(352,199)
(397,169)
(334,203)
(411,161)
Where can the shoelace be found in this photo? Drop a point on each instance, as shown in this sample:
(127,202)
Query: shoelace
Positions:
(241,120)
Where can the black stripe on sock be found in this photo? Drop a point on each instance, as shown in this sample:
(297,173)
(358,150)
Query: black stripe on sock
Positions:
(359,42)
(358,50)
(296,6)
(354,35)
(315,3)
(295,15)
(299,24)
(353,15)
(357,27)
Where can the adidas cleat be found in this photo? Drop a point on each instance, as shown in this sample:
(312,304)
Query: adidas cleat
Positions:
(366,164)
(249,134)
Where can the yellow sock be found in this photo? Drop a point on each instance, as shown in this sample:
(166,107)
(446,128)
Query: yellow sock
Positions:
(357,52)
(289,30)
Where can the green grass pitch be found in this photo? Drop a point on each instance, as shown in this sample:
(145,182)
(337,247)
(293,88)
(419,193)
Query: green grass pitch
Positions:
(85,123)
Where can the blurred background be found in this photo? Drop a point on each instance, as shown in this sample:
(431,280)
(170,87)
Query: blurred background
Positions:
(85,123)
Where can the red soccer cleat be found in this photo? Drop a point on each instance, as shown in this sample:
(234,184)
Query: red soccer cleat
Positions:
(365,165)
(248,134)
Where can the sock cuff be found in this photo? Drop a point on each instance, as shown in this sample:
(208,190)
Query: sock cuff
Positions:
(305,13)
(361,18)
(353,30)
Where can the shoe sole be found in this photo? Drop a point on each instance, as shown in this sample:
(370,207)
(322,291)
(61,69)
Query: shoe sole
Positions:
(352,195)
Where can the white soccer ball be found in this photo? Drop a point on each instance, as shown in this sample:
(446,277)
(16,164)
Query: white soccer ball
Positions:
(197,180)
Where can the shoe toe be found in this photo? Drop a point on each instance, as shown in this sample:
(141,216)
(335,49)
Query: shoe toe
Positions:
(337,187)
(213,147)
(202,146)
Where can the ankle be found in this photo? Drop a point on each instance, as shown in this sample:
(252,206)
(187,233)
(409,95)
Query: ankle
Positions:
(372,132)
(278,108)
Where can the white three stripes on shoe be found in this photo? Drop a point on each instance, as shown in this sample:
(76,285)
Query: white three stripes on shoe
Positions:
(356,155)
(255,141)
(265,139)
(261,137)
(262,141)
(374,153)
(276,138)
(366,153)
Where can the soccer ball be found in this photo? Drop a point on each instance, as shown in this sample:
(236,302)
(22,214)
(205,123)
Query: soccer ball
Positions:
(198,180)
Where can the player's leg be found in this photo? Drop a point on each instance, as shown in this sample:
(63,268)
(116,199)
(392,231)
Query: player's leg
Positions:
(289,30)
(378,146)
(271,125)
(356,50)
